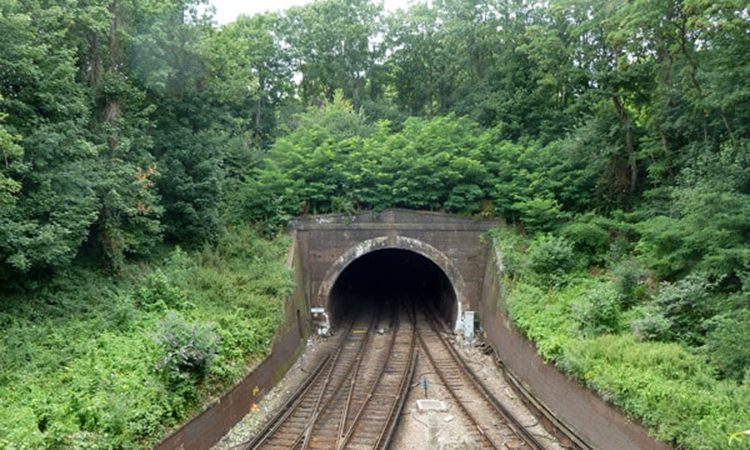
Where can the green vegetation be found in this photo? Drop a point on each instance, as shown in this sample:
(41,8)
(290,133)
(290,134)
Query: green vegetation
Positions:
(91,361)
(124,123)
(616,132)
(660,351)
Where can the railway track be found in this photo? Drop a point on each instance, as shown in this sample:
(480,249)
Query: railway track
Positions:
(289,429)
(492,425)
(373,425)
(354,398)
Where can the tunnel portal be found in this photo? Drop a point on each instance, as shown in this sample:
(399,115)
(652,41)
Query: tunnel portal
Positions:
(387,277)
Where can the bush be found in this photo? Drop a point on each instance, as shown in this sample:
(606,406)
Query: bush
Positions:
(598,312)
(728,344)
(540,214)
(188,349)
(551,258)
(511,247)
(630,278)
(160,294)
(91,382)
(123,315)
(671,389)
(687,304)
(589,240)
(707,232)
(650,324)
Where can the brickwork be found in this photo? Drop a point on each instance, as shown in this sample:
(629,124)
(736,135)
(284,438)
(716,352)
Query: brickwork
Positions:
(328,244)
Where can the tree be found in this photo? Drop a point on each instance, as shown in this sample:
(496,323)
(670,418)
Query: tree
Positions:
(252,72)
(45,109)
(333,43)
(10,155)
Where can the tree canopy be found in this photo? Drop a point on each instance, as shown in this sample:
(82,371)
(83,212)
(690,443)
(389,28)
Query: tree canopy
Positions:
(126,122)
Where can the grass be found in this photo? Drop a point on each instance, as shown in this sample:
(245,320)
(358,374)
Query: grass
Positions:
(673,389)
(79,353)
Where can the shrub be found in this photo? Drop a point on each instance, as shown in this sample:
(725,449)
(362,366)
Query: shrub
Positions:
(598,312)
(671,389)
(510,244)
(551,258)
(188,348)
(728,344)
(687,304)
(589,240)
(91,382)
(650,324)
(123,314)
(160,294)
(630,279)
(620,248)
(540,214)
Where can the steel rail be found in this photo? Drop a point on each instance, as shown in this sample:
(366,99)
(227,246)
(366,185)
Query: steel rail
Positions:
(279,419)
(510,419)
(335,368)
(400,394)
(453,394)
(320,406)
(386,437)
(345,413)
(558,428)
(285,410)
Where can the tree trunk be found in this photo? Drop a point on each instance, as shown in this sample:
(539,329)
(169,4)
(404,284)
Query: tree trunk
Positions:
(630,149)
(259,106)
(627,123)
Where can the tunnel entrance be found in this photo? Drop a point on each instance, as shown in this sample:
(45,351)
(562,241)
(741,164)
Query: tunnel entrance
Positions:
(383,278)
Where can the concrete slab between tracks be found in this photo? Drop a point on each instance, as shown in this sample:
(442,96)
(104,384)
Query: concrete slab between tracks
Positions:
(583,417)
(428,405)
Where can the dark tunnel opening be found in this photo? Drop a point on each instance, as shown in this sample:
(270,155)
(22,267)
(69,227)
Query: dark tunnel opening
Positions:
(384,278)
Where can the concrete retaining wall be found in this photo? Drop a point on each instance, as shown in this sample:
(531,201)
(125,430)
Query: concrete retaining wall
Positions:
(205,429)
(597,423)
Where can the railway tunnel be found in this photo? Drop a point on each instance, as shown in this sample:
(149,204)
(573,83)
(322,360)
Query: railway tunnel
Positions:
(348,263)
(382,280)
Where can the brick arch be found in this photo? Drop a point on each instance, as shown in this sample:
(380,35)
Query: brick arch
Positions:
(449,269)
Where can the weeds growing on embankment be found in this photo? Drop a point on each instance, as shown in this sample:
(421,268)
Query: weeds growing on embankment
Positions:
(648,346)
(89,361)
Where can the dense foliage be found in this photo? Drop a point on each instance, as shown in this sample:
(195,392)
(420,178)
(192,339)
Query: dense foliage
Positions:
(615,132)
(661,351)
(88,361)
(125,122)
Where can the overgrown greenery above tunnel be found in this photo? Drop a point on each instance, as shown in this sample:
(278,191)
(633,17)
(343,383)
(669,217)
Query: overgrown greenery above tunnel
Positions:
(127,123)
(619,130)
